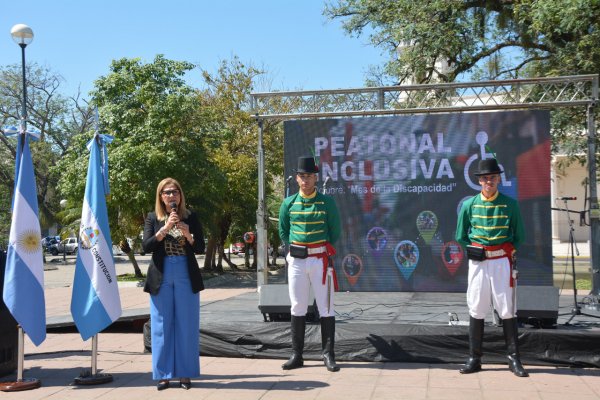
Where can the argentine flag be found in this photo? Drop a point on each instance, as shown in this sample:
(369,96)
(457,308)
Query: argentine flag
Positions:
(24,274)
(95,303)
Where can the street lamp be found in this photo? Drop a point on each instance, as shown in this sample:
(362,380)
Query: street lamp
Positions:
(23,35)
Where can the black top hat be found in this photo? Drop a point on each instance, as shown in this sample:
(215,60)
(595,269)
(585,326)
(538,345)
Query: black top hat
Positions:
(488,167)
(306,165)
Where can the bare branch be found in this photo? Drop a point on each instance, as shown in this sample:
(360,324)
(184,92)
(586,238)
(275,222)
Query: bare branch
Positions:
(521,65)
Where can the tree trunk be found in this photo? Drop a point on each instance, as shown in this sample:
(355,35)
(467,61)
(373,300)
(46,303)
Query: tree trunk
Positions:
(124,245)
(219,255)
(209,256)
(274,260)
(227,259)
(246,256)
(224,225)
(136,268)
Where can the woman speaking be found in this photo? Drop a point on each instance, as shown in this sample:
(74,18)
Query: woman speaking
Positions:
(172,233)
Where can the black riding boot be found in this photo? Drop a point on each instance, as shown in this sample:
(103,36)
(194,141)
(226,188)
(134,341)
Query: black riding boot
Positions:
(298,327)
(473,364)
(511,335)
(327,342)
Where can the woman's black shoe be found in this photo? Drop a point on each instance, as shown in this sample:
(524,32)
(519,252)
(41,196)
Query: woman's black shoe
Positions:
(162,385)
(185,385)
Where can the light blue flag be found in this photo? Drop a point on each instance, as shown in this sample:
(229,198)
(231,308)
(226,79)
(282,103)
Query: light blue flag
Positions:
(24,274)
(95,303)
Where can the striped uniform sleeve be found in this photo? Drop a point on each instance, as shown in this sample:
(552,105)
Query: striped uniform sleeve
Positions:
(463,225)
(284,222)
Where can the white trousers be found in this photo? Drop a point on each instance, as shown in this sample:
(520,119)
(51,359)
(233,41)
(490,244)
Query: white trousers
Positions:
(489,283)
(304,273)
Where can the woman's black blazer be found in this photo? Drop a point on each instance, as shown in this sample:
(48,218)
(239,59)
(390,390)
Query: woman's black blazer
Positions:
(157,248)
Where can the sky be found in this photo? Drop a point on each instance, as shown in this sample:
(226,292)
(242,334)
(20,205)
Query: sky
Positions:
(291,39)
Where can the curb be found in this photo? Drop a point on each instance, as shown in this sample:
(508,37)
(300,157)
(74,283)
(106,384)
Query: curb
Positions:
(577,258)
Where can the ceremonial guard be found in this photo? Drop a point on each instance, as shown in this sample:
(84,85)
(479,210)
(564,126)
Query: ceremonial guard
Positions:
(491,228)
(309,222)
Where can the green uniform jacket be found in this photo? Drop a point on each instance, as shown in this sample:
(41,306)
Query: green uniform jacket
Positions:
(309,220)
(490,221)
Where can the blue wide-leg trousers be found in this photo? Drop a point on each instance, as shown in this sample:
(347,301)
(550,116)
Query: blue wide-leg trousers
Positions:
(175,324)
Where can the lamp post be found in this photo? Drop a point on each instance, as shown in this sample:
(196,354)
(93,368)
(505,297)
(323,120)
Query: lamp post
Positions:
(22,35)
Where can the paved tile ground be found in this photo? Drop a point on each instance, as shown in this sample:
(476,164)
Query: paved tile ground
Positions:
(63,356)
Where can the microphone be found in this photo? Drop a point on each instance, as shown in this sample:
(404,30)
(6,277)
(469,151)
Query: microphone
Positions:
(566,198)
(289,178)
(175,231)
(326,182)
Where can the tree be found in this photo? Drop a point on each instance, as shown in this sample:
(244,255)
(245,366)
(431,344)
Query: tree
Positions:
(539,38)
(57,118)
(206,139)
(483,39)
(231,139)
(151,111)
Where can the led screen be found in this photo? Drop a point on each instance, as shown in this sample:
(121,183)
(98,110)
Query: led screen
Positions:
(399,182)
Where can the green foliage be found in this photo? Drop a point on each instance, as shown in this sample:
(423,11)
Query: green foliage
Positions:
(584,284)
(568,33)
(130,278)
(4,218)
(205,139)
(149,109)
(532,38)
(483,40)
(231,139)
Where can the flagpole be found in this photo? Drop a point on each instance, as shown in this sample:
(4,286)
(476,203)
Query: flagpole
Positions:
(29,383)
(20,384)
(92,377)
(20,354)
(95,354)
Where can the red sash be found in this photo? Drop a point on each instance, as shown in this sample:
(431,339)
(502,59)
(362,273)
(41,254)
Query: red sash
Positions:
(509,251)
(326,257)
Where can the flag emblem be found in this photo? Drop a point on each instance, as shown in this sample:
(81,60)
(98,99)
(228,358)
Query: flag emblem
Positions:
(29,241)
(88,237)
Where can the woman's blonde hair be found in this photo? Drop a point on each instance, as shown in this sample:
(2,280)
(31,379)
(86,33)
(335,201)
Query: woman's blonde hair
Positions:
(159,206)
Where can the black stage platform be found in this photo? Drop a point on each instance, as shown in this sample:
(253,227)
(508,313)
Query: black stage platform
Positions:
(384,326)
(396,326)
